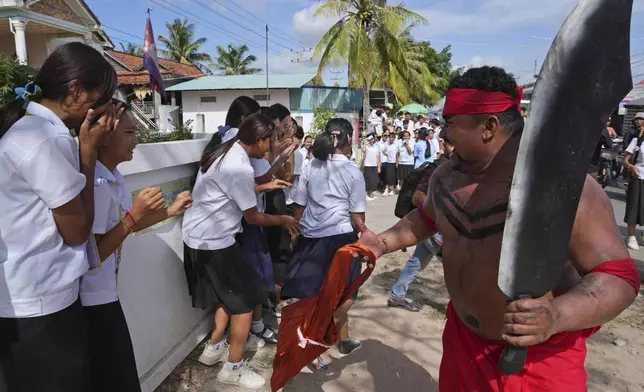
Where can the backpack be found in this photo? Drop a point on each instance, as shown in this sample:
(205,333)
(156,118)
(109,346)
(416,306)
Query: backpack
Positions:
(404,203)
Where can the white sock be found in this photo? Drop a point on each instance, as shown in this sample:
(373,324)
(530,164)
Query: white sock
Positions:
(233,366)
(257,326)
(218,346)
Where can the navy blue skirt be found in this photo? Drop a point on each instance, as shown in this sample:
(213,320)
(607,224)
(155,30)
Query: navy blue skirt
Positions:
(310,263)
(253,240)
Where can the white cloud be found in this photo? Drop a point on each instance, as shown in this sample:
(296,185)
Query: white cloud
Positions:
(310,28)
(492,16)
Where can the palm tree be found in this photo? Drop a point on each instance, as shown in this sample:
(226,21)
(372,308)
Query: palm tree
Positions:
(233,61)
(368,39)
(181,46)
(133,49)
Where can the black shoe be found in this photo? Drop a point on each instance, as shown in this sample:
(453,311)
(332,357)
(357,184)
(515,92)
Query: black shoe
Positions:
(268,334)
(348,347)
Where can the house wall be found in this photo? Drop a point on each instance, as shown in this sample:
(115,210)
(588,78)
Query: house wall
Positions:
(215,112)
(152,284)
(37,49)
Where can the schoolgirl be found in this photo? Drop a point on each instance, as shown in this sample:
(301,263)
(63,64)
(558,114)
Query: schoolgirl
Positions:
(424,150)
(218,272)
(371,166)
(331,201)
(112,363)
(47,209)
(405,158)
(391,153)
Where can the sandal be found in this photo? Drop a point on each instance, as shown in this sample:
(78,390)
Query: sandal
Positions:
(268,334)
(409,306)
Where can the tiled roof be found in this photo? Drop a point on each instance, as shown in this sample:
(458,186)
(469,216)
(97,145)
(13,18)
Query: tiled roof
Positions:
(137,78)
(135,63)
(243,82)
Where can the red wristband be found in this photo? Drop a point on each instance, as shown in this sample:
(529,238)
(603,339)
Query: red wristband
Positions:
(623,269)
(428,221)
(131,217)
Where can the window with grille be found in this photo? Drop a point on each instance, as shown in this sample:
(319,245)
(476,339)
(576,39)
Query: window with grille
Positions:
(209,99)
(262,97)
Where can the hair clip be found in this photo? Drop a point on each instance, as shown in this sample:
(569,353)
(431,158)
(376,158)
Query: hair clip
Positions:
(26,95)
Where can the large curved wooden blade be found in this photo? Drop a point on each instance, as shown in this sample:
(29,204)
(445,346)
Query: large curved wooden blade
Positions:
(585,76)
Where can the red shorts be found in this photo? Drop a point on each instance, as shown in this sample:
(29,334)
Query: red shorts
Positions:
(470,362)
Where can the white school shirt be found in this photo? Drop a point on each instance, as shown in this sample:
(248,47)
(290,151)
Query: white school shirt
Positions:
(371,155)
(632,148)
(405,157)
(111,202)
(298,160)
(39,172)
(260,167)
(391,149)
(382,145)
(330,191)
(219,198)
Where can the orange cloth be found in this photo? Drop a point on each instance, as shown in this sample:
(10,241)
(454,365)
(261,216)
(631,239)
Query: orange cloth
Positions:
(307,329)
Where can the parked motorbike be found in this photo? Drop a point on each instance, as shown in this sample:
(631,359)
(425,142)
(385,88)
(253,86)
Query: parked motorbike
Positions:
(610,164)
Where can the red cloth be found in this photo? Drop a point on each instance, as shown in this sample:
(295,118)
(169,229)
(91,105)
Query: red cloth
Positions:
(470,362)
(472,101)
(307,329)
(624,269)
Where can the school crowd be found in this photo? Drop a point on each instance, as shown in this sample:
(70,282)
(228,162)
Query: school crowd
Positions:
(268,211)
(395,148)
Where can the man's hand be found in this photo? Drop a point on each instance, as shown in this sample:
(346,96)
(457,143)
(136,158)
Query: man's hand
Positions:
(181,204)
(373,242)
(529,322)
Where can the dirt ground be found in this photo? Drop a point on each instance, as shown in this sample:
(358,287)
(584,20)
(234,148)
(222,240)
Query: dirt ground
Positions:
(402,351)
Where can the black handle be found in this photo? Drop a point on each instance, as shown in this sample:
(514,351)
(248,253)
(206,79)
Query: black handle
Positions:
(512,359)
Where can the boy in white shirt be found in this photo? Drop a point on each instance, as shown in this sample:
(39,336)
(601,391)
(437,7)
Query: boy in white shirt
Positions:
(112,362)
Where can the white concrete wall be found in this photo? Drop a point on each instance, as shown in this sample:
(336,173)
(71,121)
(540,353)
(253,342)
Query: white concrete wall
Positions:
(215,112)
(152,285)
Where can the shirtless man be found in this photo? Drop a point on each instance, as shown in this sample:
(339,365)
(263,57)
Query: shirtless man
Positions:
(467,203)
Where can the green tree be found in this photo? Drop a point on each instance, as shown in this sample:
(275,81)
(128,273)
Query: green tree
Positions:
(321,116)
(12,75)
(181,45)
(133,49)
(440,64)
(368,39)
(234,61)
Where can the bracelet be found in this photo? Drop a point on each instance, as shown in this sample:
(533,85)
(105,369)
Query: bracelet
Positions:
(131,217)
(129,229)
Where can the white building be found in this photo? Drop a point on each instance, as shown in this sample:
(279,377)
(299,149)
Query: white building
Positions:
(31,29)
(206,100)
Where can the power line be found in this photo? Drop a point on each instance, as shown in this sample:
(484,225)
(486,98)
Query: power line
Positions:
(235,22)
(211,26)
(274,29)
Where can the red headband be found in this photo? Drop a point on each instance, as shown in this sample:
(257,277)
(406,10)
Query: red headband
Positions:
(472,101)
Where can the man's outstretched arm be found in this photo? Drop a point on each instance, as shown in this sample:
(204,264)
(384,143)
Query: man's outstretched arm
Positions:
(409,231)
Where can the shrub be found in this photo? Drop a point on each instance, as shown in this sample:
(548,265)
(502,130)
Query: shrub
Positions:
(180,132)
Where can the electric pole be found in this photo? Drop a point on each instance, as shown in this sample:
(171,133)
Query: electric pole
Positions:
(301,60)
(268,97)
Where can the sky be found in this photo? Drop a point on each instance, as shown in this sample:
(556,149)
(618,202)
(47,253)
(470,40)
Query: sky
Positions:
(508,33)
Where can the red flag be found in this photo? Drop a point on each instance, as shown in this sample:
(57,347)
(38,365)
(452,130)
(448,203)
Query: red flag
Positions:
(150,61)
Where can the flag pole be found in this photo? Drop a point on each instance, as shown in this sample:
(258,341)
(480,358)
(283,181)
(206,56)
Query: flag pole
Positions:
(268,97)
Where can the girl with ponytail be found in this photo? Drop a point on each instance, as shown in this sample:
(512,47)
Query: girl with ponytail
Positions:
(424,150)
(330,203)
(47,209)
